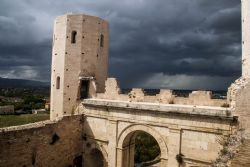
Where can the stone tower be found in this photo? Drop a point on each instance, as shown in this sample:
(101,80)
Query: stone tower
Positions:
(245,38)
(79,61)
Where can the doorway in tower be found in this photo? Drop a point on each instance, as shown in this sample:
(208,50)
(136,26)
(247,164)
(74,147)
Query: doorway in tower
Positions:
(84,89)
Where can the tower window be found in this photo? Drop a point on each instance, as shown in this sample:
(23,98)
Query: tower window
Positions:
(102,40)
(73,37)
(58,83)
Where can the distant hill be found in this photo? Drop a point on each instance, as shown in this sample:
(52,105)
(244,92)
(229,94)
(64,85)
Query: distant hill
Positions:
(21,83)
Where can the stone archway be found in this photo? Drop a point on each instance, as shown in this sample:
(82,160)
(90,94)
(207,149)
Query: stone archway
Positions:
(104,154)
(96,158)
(125,145)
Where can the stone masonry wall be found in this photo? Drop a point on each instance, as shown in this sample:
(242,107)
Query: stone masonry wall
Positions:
(239,97)
(42,144)
(76,60)
(199,98)
(109,124)
(238,92)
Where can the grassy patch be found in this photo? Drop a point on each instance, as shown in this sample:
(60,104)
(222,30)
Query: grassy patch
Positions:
(13,120)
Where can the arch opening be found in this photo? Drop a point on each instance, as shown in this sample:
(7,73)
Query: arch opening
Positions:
(96,159)
(127,137)
(140,149)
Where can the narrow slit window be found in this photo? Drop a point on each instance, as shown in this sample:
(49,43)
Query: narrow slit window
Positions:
(58,83)
(73,36)
(102,40)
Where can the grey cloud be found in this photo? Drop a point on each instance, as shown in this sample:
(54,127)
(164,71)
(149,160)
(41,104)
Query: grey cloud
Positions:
(190,38)
(204,40)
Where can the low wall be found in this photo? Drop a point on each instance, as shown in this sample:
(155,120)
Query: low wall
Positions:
(43,144)
(199,98)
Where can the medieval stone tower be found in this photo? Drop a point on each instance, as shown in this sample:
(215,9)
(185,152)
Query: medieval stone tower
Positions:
(245,38)
(79,61)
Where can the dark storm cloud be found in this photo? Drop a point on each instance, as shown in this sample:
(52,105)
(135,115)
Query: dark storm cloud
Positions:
(190,37)
(152,43)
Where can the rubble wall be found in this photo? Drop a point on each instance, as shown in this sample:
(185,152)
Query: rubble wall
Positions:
(42,144)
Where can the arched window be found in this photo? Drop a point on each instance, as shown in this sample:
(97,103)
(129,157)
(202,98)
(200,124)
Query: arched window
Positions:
(73,37)
(58,83)
(102,40)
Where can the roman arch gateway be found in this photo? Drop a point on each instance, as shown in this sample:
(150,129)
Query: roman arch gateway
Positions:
(183,127)
(93,124)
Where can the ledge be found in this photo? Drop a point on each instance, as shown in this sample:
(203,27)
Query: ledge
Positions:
(27,126)
(207,111)
(39,124)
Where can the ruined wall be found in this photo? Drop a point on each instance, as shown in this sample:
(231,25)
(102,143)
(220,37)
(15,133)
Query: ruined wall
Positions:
(239,91)
(239,98)
(42,144)
(199,98)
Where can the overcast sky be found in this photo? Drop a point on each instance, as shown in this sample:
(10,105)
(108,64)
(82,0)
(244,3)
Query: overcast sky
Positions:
(178,44)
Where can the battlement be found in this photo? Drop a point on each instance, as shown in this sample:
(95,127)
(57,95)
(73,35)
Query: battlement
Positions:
(196,98)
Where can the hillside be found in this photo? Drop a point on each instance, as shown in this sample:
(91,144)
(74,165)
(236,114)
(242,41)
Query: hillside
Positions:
(21,83)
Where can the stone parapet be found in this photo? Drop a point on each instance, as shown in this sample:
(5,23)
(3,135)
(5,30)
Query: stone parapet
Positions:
(27,126)
(165,108)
